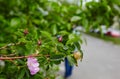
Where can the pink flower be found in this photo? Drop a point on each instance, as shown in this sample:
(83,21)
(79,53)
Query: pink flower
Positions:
(33,65)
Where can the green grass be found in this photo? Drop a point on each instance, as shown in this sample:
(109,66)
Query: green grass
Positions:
(115,40)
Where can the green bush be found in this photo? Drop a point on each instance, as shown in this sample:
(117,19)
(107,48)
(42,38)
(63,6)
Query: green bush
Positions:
(42,29)
(39,29)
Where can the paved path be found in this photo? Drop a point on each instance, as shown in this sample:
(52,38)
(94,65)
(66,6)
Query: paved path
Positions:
(101,60)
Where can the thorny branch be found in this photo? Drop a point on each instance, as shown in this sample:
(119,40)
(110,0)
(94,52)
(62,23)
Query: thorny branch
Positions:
(20,57)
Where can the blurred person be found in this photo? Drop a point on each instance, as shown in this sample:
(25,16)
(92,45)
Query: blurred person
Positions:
(68,69)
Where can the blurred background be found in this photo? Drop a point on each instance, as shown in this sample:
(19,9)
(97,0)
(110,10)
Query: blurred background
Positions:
(102,50)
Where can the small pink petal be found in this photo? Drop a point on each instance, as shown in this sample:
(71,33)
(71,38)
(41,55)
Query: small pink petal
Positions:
(33,65)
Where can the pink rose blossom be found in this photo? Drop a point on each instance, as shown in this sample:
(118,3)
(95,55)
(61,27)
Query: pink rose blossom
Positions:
(33,65)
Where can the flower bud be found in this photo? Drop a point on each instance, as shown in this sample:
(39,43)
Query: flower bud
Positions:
(26,32)
(39,42)
(60,39)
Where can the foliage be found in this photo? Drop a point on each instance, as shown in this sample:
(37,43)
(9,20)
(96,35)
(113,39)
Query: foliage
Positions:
(32,28)
(43,29)
(95,13)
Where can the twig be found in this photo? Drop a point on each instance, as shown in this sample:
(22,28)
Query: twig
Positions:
(11,44)
(13,54)
(20,57)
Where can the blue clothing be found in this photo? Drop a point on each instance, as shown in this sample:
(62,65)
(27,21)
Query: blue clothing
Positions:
(68,68)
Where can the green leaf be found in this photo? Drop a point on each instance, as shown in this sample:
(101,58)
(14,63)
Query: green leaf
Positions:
(63,33)
(22,73)
(27,73)
(54,29)
(22,40)
(55,57)
(46,34)
(15,22)
(77,44)
(69,26)
(36,21)
(19,32)
(3,76)
(71,60)
(56,62)
(75,18)
(30,48)
(73,38)
(81,55)
(86,25)
(21,61)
